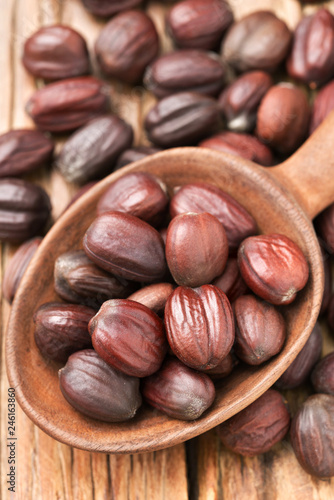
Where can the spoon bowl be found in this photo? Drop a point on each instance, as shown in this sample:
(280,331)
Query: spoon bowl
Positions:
(267,195)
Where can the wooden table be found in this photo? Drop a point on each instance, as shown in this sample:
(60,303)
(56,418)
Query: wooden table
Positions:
(200,469)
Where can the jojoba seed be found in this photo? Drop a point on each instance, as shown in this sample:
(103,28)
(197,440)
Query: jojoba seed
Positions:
(323,104)
(134,154)
(231,282)
(324,224)
(153,296)
(322,377)
(108,8)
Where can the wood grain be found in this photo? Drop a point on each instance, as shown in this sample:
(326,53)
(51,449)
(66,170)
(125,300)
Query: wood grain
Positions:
(203,469)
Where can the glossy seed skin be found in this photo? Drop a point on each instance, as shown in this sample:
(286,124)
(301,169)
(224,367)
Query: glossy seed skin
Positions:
(108,8)
(97,390)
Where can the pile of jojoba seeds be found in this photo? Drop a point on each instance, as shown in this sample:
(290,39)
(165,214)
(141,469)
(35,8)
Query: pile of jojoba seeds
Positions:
(174,306)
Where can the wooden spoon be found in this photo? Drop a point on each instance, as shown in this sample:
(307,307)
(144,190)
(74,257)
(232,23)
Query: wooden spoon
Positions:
(266,193)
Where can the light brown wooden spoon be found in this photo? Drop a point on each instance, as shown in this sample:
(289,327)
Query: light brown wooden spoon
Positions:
(266,193)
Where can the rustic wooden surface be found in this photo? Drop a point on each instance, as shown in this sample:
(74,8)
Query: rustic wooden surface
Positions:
(201,469)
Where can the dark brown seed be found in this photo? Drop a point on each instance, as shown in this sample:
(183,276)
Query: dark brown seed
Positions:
(244,145)
(322,377)
(258,41)
(326,260)
(312,56)
(129,336)
(126,45)
(260,330)
(231,282)
(299,370)
(79,280)
(330,314)
(201,197)
(15,270)
(61,329)
(134,154)
(22,151)
(24,210)
(108,8)
(181,119)
(179,391)
(239,102)
(126,246)
(153,296)
(223,369)
(322,106)
(68,104)
(136,193)
(312,435)
(258,427)
(91,152)
(56,52)
(185,70)
(324,224)
(97,390)
(199,24)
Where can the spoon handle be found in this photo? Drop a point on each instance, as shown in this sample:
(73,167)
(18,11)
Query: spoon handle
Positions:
(309,172)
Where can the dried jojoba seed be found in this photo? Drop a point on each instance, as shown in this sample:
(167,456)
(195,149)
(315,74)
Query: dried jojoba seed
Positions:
(199,24)
(77,279)
(312,56)
(91,152)
(258,427)
(328,279)
(283,117)
(312,435)
(201,197)
(323,104)
(15,270)
(22,151)
(199,326)
(56,52)
(108,8)
(68,104)
(300,368)
(190,263)
(223,369)
(126,45)
(258,41)
(260,330)
(273,267)
(153,296)
(179,391)
(129,336)
(61,329)
(185,70)
(324,225)
(126,246)
(134,154)
(136,193)
(97,390)
(231,282)
(239,102)
(322,377)
(24,209)
(244,145)
(181,119)
(330,314)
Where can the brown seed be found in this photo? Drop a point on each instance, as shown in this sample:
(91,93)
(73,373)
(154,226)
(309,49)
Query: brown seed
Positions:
(239,102)
(199,24)
(97,390)
(68,104)
(324,225)
(179,391)
(283,118)
(79,280)
(201,197)
(136,193)
(259,330)
(312,56)
(258,427)
(199,326)
(258,41)
(231,282)
(322,106)
(185,70)
(153,296)
(126,246)
(326,260)
(323,375)
(273,267)
(223,369)
(129,336)
(299,370)
(22,151)
(312,435)
(108,8)
(134,154)
(190,263)
(91,152)
(61,329)
(56,52)
(17,266)
(244,145)
(126,45)
(181,119)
